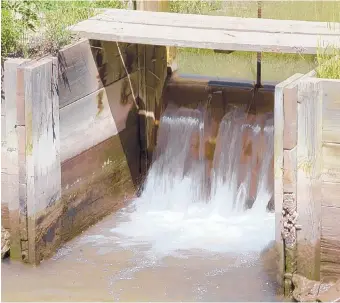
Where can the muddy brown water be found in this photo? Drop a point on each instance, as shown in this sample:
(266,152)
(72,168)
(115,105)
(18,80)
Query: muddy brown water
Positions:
(96,267)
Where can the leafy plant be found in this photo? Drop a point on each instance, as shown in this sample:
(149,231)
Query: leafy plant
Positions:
(17,17)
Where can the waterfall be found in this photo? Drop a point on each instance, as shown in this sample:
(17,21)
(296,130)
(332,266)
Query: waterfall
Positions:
(184,205)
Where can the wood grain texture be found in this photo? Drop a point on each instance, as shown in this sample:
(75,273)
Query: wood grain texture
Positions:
(152,66)
(290,115)
(330,242)
(330,223)
(331,110)
(278,167)
(4,160)
(96,117)
(95,183)
(331,162)
(189,92)
(4,213)
(78,74)
(3,143)
(43,172)
(177,31)
(87,66)
(11,188)
(21,143)
(309,165)
(331,194)
(150,17)
(289,171)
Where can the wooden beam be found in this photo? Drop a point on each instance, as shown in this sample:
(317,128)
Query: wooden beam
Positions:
(279,176)
(152,63)
(309,172)
(13,126)
(41,188)
(95,118)
(168,29)
(226,23)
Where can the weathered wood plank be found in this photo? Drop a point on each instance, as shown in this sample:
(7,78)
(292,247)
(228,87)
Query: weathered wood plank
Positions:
(21,137)
(87,66)
(290,115)
(4,210)
(94,184)
(218,22)
(203,38)
(185,91)
(330,242)
(96,117)
(331,194)
(330,270)
(330,224)
(278,168)
(78,74)
(43,172)
(11,189)
(152,6)
(141,49)
(289,171)
(3,143)
(331,162)
(331,110)
(309,165)
(4,160)
(152,66)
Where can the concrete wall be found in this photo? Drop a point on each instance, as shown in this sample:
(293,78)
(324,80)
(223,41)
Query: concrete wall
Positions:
(77,133)
(307,176)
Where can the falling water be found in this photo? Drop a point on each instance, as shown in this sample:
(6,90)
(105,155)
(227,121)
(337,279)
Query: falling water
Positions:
(176,179)
(184,206)
(264,191)
(194,234)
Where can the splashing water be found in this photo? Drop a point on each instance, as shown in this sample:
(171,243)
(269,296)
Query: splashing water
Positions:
(181,209)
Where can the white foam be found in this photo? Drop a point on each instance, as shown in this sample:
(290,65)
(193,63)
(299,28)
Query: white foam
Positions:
(174,212)
(168,231)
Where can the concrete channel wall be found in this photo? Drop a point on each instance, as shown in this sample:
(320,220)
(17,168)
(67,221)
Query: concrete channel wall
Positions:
(75,140)
(307,175)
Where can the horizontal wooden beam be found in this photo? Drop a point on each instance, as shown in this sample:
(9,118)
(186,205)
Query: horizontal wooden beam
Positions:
(220,22)
(210,32)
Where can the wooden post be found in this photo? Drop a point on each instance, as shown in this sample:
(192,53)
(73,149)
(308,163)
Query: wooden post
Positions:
(10,190)
(152,66)
(38,148)
(281,129)
(330,213)
(309,185)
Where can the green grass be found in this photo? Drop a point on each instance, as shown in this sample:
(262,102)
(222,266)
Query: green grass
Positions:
(287,10)
(242,64)
(58,15)
(328,64)
(50,30)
